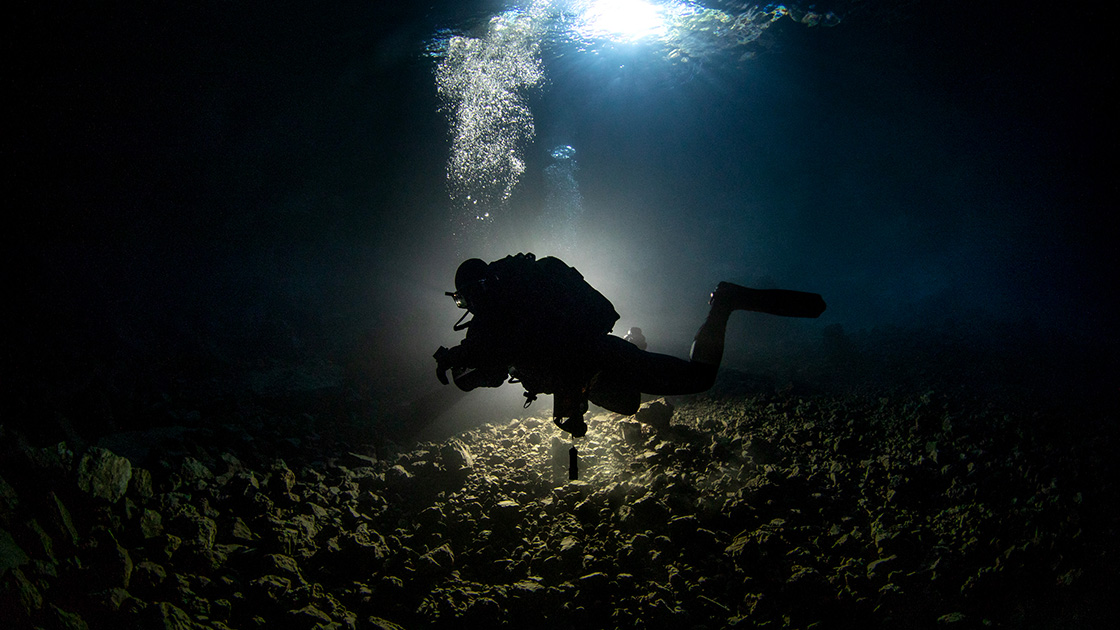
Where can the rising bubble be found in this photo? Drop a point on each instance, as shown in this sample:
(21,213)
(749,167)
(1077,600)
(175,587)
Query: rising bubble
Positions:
(483,84)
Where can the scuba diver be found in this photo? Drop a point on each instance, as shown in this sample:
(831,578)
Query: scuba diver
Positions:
(539,323)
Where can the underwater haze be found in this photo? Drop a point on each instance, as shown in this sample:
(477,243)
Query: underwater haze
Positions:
(223,206)
(221,172)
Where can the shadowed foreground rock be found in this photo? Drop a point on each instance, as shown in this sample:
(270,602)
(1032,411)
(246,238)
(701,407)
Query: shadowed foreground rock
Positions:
(747,507)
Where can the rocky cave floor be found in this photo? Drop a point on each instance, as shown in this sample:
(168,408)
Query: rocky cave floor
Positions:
(754,505)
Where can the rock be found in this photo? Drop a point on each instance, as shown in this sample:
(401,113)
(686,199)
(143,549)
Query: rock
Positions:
(40,544)
(398,474)
(11,555)
(525,587)
(171,544)
(483,612)
(285,566)
(220,609)
(358,551)
(53,462)
(656,413)
(431,516)
(111,599)
(439,559)
(307,617)
(238,530)
(682,529)
(167,616)
(270,588)
(147,578)
(9,500)
(631,432)
(59,522)
(196,530)
(377,623)
(111,563)
(24,592)
(877,565)
(506,513)
(244,484)
(194,473)
(596,582)
(643,513)
(569,546)
(356,460)
(151,524)
(280,483)
(103,474)
(456,456)
(64,620)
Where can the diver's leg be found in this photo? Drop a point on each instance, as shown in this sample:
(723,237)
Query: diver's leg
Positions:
(707,347)
(626,366)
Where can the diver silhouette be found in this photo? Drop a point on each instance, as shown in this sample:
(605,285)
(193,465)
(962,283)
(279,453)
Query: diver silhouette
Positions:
(539,323)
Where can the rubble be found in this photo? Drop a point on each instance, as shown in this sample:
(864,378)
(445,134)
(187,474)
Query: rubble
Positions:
(757,508)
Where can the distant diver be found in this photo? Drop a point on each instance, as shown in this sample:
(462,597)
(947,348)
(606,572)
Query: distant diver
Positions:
(539,323)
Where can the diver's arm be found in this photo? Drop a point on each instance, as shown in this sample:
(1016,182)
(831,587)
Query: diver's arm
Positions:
(472,365)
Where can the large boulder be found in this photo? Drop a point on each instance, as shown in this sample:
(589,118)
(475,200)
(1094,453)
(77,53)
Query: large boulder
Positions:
(656,413)
(103,474)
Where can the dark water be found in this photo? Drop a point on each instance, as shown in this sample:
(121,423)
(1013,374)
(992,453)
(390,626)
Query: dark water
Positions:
(232,224)
(213,186)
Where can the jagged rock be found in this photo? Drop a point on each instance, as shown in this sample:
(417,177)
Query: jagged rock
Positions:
(151,524)
(439,559)
(281,481)
(656,413)
(111,600)
(483,612)
(243,484)
(594,582)
(357,460)
(167,616)
(207,560)
(644,513)
(220,609)
(631,432)
(506,513)
(308,616)
(197,531)
(148,577)
(103,474)
(11,555)
(22,592)
(112,561)
(194,473)
(9,501)
(362,548)
(377,623)
(682,529)
(51,462)
(170,545)
(398,474)
(271,588)
(39,542)
(431,516)
(66,620)
(284,566)
(456,456)
(238,530)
